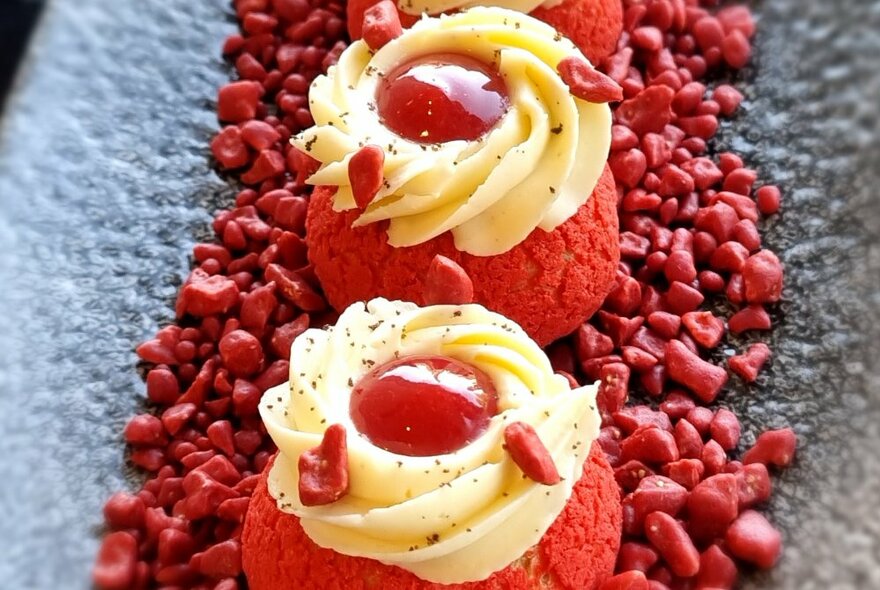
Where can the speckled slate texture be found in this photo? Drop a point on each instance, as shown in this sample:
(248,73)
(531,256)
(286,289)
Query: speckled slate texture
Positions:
(105,183)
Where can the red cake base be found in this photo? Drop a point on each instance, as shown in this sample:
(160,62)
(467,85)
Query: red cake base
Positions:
(577,552)
(549,284)
(593,25)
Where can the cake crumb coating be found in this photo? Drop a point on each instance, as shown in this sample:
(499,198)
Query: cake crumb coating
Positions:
(549,284)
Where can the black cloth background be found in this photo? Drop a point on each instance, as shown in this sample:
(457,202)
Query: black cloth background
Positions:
(17,19)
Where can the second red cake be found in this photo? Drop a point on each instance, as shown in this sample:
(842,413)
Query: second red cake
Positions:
(426,448)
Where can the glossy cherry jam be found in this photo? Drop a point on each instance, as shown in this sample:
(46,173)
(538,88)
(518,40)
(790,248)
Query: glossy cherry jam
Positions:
(442,97)
(423,405)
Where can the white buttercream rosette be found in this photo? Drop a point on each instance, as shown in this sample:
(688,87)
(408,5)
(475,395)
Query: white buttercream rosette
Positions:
(535,168)
(448,518)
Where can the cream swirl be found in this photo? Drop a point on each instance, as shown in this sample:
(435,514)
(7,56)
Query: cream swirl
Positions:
(448,518)
(535,168)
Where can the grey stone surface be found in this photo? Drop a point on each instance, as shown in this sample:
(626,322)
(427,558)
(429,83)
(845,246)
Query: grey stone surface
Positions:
(105,183)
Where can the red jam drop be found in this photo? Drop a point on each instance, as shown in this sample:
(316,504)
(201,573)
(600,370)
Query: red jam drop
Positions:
(423,405)
(442,97)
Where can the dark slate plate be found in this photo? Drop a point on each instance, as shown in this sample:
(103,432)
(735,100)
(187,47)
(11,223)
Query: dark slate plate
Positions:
(105,183)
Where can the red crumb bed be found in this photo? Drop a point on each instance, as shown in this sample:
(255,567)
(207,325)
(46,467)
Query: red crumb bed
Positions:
(577,549)
(688,233)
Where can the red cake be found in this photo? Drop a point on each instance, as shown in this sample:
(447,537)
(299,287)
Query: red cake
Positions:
(547,284)
(594,25)
(579,550)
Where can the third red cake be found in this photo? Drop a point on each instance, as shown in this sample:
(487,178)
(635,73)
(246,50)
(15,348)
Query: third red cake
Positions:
(593,25)
(481,136)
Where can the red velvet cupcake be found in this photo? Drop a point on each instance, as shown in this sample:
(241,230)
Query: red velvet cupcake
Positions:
(430,448)
(481,136)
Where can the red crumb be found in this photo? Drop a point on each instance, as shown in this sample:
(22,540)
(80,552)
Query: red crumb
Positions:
(587,83)
(748,365)
(381,24)
(447,283)
(365,174)
(548,284)
(323,470)
(116,563)
(530,454)
(578,551)
(355,10)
